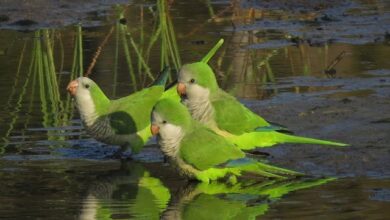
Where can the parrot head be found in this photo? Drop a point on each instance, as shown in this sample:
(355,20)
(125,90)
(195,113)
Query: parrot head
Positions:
(197,80)
(81,86)
(89,98)
(170,119)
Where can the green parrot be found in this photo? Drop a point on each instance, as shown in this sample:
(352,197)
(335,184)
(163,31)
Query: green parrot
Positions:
(198,152)
(224,114)
(130,191)
(125,121)
(244,200)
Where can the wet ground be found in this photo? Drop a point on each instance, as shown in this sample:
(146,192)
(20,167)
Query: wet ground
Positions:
(277,59)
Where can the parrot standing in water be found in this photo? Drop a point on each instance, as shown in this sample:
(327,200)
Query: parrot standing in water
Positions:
(125,121)
(224,114)
(198,152)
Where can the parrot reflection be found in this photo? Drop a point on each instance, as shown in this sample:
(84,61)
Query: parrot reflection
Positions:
(134,192)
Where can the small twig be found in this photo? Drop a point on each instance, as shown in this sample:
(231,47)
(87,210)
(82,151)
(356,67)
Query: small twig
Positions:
(336,61)
(330,71)
(98,51)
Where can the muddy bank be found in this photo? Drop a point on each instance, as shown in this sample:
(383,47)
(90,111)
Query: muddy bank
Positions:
(319,22)
(359,117)
(36,14)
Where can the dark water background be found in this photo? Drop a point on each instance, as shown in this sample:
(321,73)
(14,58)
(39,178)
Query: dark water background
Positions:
(275,58)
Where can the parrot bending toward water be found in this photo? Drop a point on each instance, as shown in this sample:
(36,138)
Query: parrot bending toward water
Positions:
(198,152)
(125,121)
(224,114)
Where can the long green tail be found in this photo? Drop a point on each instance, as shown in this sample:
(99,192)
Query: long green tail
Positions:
(211,53)
(252,140)
(162,77)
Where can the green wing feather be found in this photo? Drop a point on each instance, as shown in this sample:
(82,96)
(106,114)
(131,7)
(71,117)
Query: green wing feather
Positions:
(232,116)
(132,113)
(171,93)
(204,149)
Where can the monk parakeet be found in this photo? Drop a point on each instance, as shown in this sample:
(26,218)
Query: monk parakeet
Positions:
(224,114)
(200,153)
(123,121)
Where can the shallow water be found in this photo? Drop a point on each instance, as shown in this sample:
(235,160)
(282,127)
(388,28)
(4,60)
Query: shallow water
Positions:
(274,59)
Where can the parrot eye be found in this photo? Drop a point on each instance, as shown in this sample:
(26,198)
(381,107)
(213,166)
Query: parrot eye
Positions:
(192,80)
(86,86)
(164,122)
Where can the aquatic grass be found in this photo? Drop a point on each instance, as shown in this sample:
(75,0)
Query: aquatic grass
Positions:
(17,75)
(141,42)
(305,59)
(42,72)
(77,64)
(140,58)
(152,41)
(80,48)
(62,54)
(162,30)
(253,68)
(14,114)
(128,58)
(210,8)
(169,47)
(116,58)
(76,69)
(269,76)
(45,71)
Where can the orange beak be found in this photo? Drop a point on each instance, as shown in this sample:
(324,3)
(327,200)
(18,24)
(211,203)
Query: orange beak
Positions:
(181,89)
(72,87)
(154,129)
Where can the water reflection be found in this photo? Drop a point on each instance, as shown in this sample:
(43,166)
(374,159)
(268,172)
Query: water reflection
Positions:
(130,192)
(244,200)
(133,192)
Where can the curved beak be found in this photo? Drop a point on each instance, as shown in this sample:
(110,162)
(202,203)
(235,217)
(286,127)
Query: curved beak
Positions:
(154,129)
(181,89)
(72,87)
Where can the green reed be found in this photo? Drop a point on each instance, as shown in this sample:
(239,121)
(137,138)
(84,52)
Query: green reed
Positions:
(116,58)
(137,51)
(169,48)
(265,63)
(41,74)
